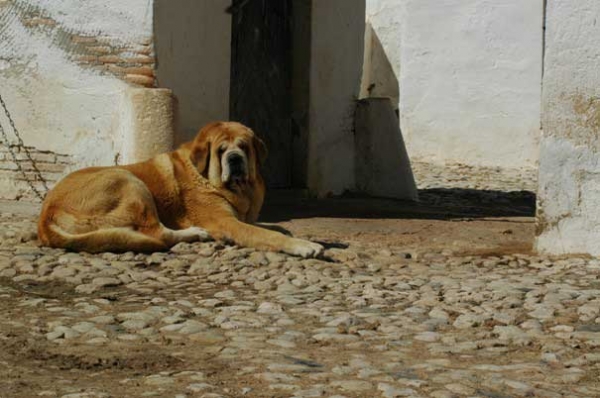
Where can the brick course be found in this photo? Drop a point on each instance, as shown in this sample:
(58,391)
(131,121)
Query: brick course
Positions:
(101,52)
(13,186)
(134,63)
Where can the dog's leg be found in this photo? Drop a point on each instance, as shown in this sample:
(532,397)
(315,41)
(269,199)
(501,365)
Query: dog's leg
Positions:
(192,234)
(273,227)
(126,239)
(118,239)
(229,228)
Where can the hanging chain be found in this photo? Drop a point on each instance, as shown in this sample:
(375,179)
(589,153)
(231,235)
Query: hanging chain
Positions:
(27,154)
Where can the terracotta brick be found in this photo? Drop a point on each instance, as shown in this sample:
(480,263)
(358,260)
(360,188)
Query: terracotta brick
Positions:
(142,70)
(146,41)
(21,157)
(140,59)
(63,159)
(37,21)
(45,167)
(8,165)
(88,59)
(100,50)
(32,176)
(141,80)
(115,69)
(144,50)
(45,157)
(109,59)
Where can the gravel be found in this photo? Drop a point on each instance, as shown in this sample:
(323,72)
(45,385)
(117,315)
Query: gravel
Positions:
(234,322)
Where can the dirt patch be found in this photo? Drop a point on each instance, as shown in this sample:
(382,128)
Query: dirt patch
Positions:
(87,358)
(461,220)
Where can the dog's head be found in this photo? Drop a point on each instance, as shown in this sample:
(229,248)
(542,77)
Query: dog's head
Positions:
(228,154)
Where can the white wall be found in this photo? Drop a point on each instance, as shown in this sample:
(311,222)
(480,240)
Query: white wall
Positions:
(569,179)
(337,45)
(49,93)
(72,73)
(470,77)
(125,22)
(61,96)
(379,79)
(385,16)
(193,50)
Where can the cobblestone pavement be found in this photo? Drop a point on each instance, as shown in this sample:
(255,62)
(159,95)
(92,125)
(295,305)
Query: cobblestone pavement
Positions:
(372,319)
(457,175)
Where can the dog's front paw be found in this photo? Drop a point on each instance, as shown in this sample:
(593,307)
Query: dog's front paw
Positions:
(305,249)
(201,234)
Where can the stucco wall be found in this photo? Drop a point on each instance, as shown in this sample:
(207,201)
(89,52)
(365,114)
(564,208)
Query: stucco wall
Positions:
(337,45)
(569,179)
(65,68)
(193,50)
(470,77)
(385,16)
(379,79)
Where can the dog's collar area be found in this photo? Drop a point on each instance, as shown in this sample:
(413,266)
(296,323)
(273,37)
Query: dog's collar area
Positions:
(236,183)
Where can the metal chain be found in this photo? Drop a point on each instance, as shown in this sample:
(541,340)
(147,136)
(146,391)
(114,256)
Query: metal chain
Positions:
(27,154)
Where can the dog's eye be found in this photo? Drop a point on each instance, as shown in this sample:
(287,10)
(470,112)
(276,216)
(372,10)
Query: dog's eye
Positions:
(221,151)
(243,147)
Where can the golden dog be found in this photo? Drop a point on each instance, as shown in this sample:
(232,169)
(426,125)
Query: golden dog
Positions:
(211,187)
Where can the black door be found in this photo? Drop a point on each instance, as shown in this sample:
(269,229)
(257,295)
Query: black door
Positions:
(261,75)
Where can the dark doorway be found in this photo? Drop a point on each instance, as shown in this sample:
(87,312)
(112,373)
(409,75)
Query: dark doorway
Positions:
(261,80)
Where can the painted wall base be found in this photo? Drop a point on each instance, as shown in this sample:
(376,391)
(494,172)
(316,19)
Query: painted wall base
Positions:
(569,179)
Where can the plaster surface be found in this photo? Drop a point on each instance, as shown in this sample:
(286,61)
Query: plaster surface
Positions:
(337,46)
(149,122)
(379,80)
(70,73)
(470,77)
(385,17)
(61,104)
(382,164)
(193,50)
(121,21)
(569,178)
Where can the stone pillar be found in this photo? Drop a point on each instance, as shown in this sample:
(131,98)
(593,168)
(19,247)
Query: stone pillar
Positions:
(148,123)
(569,178)
(337,46)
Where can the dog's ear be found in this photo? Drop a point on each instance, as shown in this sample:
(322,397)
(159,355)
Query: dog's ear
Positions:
(260,149)
(200,152)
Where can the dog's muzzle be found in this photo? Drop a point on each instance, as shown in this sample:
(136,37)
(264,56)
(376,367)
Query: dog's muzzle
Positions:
(235,170)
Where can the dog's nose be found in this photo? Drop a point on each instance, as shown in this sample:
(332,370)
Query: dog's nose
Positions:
(236,164)
(235,159)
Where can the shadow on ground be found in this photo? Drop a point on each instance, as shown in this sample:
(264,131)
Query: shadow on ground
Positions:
(434,204)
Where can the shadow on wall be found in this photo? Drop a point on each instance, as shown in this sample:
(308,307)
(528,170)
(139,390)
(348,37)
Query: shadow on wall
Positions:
(379,79)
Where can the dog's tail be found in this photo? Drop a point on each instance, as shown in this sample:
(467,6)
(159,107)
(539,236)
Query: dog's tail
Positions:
(118,239)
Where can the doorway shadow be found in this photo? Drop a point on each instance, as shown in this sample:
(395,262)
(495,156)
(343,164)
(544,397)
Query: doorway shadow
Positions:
(434,204)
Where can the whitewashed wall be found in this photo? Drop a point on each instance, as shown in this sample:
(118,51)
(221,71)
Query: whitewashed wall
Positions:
(65,68)
(569,179)
(386,18)
(193,49)
(470,77)
(337,42)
